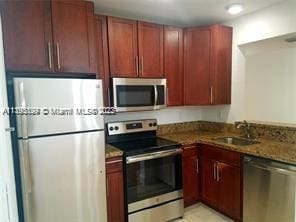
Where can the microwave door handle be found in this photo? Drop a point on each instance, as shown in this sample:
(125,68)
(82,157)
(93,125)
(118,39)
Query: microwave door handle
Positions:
(155,95)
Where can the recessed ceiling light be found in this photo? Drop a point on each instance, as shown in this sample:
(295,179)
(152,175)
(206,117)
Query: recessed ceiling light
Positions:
(235,8)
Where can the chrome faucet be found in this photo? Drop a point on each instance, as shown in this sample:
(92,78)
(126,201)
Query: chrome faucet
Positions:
(247,128)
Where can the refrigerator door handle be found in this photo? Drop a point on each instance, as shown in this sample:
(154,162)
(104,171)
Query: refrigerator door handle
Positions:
(27,177)
(24,120)
(25,156)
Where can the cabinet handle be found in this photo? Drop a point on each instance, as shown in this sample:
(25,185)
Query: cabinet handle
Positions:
(215,171)
(58,55)
(197,167)
(167,95)
(137,65)
(109,97)
(49,55)
(142,65)
(211,94)
(218,173)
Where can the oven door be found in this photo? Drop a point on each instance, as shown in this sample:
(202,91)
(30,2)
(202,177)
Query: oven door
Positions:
(134,94)
(153,179)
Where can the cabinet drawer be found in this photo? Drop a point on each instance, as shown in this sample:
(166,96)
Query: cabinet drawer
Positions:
(221,155)
(113,165)
(190,150)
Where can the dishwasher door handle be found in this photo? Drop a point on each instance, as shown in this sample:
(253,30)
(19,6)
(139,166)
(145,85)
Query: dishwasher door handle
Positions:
(271,168)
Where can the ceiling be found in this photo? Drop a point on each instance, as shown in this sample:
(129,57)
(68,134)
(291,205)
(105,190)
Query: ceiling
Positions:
(178,12)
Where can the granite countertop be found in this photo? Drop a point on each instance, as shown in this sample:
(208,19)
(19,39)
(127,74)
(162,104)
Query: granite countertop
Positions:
(111,151)
(284,152)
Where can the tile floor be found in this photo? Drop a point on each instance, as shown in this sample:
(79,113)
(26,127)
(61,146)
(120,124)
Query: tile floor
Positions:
(202,213)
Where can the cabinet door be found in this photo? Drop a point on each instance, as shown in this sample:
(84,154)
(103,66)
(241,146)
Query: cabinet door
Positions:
(229,180)
(115,192)
(209,184)
(173,65)
(221,64)
(115,197)
(150,50)
(123,47)
(102,55)
(27,35)
(197,43)
(190,175)
(73,33)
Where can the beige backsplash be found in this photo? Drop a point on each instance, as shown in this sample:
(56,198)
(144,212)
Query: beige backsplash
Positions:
(280,133)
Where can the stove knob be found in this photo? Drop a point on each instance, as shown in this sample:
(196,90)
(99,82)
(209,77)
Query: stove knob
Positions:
(150,124)
(116,128)
(111,128)
(154,124)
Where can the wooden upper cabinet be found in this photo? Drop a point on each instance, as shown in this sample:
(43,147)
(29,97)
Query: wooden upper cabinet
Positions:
(221,64)
(197,44)
(150,49)
(207,65)
(102,55)
(27,35)
(49,36)
(73,34)
(173,65)
(123,47)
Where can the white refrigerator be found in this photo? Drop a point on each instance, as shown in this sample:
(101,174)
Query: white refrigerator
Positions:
(61,153)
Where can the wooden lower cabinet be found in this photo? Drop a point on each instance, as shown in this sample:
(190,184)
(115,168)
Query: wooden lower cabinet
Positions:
(209,185)
(230,190)
(190,164)
(221,180)
(115,192)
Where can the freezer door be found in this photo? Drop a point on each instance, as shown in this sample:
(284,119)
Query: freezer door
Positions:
(59,97)
(63,178)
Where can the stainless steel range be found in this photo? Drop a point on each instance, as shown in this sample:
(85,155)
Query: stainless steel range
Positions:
(153,171)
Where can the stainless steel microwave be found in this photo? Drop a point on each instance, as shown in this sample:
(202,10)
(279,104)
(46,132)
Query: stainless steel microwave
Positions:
(135,94)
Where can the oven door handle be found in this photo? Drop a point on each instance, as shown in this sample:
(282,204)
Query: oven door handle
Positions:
(150,156)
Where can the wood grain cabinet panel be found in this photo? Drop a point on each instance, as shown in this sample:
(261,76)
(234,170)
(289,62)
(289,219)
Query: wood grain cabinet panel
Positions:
(209,184)
(102,55)
(197,43)
(73,34)
(221,180)
(230,190)
(190,162)
(49,36)
(150,50)
(221,64)
(115,193)
(123,47)
(27,35)
(173,65)
(207,65)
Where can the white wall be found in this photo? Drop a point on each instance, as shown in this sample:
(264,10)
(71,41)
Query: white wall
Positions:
(164,116)
(8,208)
(270,92)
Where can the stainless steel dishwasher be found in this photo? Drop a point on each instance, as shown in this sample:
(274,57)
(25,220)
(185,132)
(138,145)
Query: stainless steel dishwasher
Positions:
(269,191)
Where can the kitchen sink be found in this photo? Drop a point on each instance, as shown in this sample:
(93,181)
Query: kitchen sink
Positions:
(236,141)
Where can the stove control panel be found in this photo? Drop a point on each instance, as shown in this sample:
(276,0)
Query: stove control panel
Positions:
(117,128)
